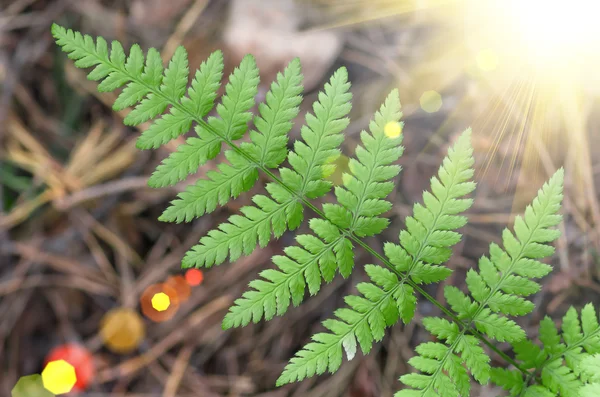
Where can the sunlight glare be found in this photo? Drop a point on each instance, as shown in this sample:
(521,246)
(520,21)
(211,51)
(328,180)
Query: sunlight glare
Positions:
(551,27)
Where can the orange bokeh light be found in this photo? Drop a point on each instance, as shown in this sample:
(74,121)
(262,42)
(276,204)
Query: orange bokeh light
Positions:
(181,286)
(148,308)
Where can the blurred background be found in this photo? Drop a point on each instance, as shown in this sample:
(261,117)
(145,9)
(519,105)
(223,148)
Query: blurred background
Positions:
(82,254)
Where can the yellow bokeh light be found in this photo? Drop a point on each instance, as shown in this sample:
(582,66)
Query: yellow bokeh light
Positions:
(161,302)
(487,60)
(392,129)
(333,167)
(122,330)
(59,377)
(431,101)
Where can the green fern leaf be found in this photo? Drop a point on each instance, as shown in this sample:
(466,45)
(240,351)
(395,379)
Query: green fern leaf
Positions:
(319,256)
(322,135)
(495,292)
(267,146)
(511,380)
(590,368)
(240,174)
(196,151)
(538,391)
(590,371)
(565,363)
(388,298)
(591,390)
(156,88)
(560,379)
(174,82)
(568,362)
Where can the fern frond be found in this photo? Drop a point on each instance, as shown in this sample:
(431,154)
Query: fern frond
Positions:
(538,391)
(151,89)
(387,297)
(196,151)
(309,162)
(496,291)
(147,84)
(589,366)
(361,201)
(240,174)
(567,364)
(267,146)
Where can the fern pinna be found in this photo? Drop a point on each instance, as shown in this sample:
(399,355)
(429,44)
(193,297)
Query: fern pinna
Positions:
(497,291)
(300,175)
(570,367)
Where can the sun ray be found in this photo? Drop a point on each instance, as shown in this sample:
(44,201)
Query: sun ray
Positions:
(534,68)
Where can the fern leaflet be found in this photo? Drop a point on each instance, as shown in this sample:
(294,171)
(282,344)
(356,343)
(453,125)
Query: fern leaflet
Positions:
(496,290)
(567,365)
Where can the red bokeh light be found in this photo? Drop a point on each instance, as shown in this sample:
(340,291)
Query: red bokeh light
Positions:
(194,277)
(80,358)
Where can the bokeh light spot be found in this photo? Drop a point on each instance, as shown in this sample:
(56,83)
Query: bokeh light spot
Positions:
(330,166)
(59,377)
(122,330)
(487,60)
(30,386)
(431,101)
(392,129)
(341,167)
(159,302)
(79,357)
(181,286)
(194,277)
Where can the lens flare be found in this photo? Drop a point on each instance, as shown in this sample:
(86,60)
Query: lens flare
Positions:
(80,358)
(552,27)
(487,60)
(159,302)
(431,101)
(194,277)
(392,129)
(30,386)
(59,377)
(122,330)
(181,286)
(530,75)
